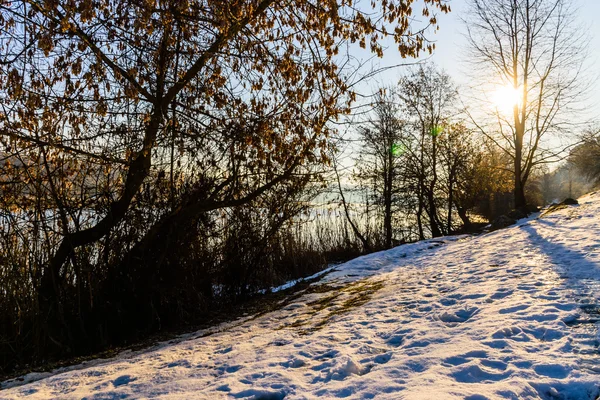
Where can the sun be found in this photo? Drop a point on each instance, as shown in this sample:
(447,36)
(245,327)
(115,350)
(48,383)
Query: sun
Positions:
(507,97)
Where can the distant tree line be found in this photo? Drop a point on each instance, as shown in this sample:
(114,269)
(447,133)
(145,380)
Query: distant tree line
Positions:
(584,161)
(420,170)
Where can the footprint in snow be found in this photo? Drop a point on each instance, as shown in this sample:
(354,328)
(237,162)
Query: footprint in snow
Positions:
(542,317)
(293,363)
(230,369)
(417,343)
(563,306)
(178,363)
(366,349)
(225,350)
(465,358)
(499,365)
(514,333)
(123,380)
(448,302)
(281,342)
(496,344)
(549,296)
(459,316)
(471,296)
(510,310)
(475,374)
(416,366)
(476,397)
(545,334)
(394,340)
(501,293)
(28,392)
(382,358)
(224,388)
(261,394)
(552,371)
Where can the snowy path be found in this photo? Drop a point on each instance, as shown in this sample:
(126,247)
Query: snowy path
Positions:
(511,314)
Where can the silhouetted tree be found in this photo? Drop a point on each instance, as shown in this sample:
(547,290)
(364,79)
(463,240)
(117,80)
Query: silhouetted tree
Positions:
(535,51)
(379,164)
(428,102)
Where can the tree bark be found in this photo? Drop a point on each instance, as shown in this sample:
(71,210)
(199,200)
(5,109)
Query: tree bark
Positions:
(388,202)
(462,213)
(519,189)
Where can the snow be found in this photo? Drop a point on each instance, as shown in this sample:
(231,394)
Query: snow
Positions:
(511,314)
(294,282)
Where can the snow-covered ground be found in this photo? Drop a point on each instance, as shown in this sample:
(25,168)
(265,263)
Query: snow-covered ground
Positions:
(511,314)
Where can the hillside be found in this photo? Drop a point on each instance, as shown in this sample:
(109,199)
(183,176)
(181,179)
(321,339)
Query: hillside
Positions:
(511,314)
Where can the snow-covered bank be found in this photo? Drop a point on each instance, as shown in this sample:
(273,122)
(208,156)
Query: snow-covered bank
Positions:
(512,314)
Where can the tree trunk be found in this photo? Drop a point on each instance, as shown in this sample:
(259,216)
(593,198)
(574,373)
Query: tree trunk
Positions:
(520,201)
(519,190)
(450,202)
(388,224)
(364,240)
(433,217)
(387,220)
(52,282)
(420,225)
(420,217)
(462,213)
(432,213)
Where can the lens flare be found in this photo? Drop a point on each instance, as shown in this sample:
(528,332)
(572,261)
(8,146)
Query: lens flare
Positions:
(398,149)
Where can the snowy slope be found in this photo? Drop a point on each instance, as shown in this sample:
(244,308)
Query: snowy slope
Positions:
(511,314)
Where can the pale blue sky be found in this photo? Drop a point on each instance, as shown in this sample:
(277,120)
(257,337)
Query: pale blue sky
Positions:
(450,43)
(451,46)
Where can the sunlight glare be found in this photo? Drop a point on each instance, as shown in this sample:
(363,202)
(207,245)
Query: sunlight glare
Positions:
(506,97)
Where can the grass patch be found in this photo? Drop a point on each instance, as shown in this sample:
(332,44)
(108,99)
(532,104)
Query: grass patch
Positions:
(554,208)
(341,302)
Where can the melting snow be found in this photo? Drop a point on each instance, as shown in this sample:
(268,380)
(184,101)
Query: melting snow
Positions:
(511,314)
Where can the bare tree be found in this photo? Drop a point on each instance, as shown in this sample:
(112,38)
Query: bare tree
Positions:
(585,157)
(534,49)
(413,154)
(457,159)
(427,99)
(379,161)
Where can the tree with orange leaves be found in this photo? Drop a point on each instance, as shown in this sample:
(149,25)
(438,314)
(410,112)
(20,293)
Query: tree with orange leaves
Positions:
(231,97)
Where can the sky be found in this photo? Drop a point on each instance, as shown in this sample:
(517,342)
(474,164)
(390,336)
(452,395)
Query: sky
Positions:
(451,49)
(451,46)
